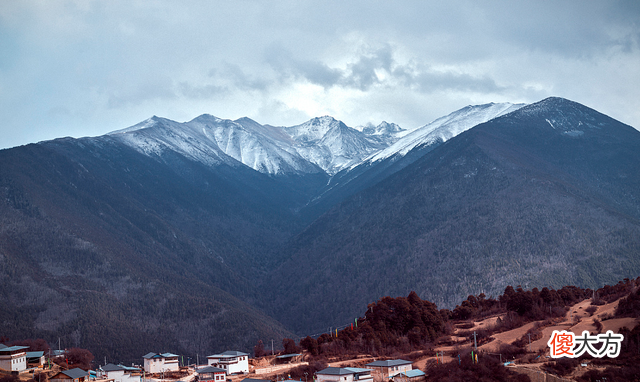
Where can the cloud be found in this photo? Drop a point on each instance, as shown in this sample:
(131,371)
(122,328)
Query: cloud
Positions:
(109,63)
(287,67)
(377,67)
(206,91)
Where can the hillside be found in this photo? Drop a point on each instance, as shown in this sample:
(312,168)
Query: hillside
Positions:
(546,195)
(212,234)
(108,250)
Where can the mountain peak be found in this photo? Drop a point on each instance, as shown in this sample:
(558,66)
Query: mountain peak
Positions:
(384,128)
(206,118)
(243,120)
(147,123)
(445,128)
(563,115)
(325,118)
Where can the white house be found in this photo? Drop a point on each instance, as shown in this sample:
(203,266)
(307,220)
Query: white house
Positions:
(211,374)
(158,363)
(121,373)
(344,374)
(13,358)
(390,368)
(232,361)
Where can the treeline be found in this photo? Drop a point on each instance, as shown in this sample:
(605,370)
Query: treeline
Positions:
(389,325)
(403,324)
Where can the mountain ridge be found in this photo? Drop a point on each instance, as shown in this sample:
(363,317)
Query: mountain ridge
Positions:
(200,218)
(498,204)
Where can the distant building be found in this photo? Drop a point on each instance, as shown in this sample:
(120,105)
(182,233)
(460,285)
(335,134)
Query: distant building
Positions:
(120,373)
(35,358)
(232,361)
(288,358)
(13,358)
(158,363)
(410,376)
(211,374)
(57,353)
(389,368)
(344,374)
(73,375)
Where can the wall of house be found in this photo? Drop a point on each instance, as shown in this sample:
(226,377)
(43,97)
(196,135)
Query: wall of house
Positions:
(61,379)
(121,376)
(399,369)
(240,366)
(335,378)
(158,365)
(14,362)
(213,377)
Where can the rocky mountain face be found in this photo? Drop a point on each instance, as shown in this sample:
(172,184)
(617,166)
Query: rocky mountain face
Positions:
(402,149)
(211,234)
(320,145)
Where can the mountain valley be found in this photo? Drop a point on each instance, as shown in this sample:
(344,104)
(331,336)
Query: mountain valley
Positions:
(216,233)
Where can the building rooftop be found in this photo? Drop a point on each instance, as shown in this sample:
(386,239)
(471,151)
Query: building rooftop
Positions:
(9,349)
(413,373)
(210,369)
(228,354)
(75,373)
(112,367)
(342,371)
(389,363)
(157,355)
(288,355)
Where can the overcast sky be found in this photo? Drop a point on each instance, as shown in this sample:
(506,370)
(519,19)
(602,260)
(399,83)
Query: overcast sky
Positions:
(82,68)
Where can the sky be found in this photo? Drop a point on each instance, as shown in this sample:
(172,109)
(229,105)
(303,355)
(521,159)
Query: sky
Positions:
(85,68)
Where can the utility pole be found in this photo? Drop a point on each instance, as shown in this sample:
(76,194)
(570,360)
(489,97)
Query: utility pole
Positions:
(271,347)
(475,343)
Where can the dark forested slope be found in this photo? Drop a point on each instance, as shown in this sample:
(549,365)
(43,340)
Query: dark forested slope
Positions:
(547,195)
(123,254)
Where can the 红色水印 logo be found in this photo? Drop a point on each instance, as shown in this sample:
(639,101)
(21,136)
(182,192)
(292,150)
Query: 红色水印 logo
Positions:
(567,344)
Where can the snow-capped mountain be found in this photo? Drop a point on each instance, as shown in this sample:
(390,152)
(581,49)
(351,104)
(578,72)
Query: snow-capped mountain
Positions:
(331,144)
(321,144)
(445,128)
(385,132)
(213,140)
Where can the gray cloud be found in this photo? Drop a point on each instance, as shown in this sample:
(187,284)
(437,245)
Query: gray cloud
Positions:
(201,91)
(363,73)
(287,67)
(84,68)
(238,78)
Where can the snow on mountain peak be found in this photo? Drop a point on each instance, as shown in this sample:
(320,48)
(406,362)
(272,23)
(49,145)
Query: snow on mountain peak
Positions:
(384,128)
(320,144)
(330,144)
(563,115)
(445,128)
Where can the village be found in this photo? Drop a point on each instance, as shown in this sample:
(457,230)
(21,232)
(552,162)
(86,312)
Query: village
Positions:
(237,366)
(501,340)
(229,366)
